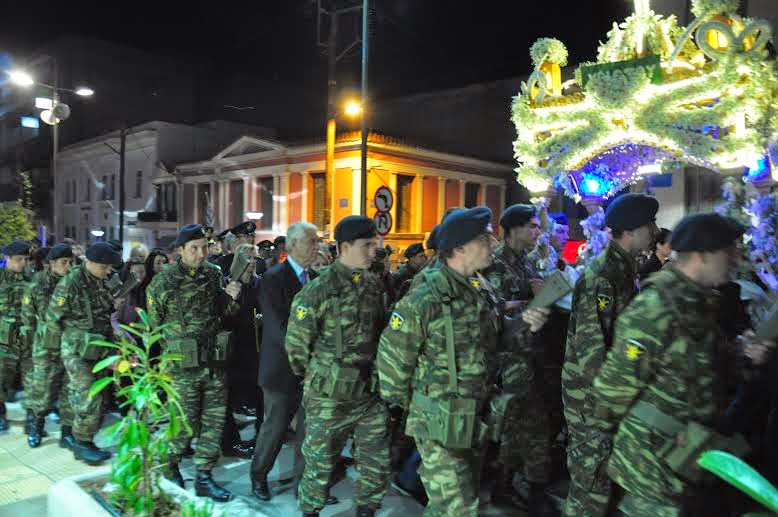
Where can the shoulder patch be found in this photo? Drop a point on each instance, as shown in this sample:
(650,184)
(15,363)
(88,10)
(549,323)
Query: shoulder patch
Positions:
(26,300)
(634,350)
(603,302)
(301,313)
(356,275)
(60,301)
(149,301)
(396,321)
(475,282)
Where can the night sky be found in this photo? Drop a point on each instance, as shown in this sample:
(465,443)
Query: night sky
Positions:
(417,45)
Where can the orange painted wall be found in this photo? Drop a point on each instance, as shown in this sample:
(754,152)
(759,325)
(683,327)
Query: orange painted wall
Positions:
(376,179)
(429,215)
(344,185)
(452,193)
(295,198)
(493,202)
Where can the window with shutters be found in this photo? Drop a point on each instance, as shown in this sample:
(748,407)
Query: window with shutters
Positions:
(404,204)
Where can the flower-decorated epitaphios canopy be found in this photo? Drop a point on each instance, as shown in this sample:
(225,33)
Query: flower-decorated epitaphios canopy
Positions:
(659,96)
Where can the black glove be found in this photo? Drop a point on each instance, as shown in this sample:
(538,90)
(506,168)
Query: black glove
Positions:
(396,413)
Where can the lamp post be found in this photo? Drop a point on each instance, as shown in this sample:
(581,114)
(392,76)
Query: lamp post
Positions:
(351,109)
(53,116)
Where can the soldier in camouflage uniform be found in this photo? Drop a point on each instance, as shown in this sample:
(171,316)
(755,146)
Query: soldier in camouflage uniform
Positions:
(437,352)
(664,371)
(525,435)
(79,312)
(331,340)
(402,277)
(605,288)
(188,296)
(48,381)
(15,353)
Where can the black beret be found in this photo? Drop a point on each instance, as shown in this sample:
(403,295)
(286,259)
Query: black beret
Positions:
(103,253)
(560,218)
(354,227)
(631,211)
(381,253)
(413,250)
(17,248)
(60,251)
(706,232)
(517,215)
(463,226)
(222,235)
(432,240)
(265,244)
(389,250)
(190,232)
(281,239)
(245,228)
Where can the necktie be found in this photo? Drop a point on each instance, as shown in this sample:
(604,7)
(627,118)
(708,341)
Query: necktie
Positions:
(303,277)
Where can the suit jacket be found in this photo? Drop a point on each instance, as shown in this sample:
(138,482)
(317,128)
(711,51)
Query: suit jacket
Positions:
(278,287)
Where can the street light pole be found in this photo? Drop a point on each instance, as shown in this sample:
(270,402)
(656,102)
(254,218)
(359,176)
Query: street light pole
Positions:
(54,152)
(122,147)
(363,146)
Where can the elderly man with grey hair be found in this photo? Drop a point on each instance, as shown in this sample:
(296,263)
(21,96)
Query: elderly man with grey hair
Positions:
(282,390)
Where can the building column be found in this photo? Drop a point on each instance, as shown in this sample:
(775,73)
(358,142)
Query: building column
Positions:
(195,199)
(418,206)
(276,202)
(224,205)
(216,219)
(502,197)
(441,197)
(481,195)
(462,184)
(304,200)
(393,211)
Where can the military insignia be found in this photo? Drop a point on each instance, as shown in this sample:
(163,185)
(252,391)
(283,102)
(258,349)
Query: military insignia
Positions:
(193,272)
(356,275)
(634,350)
(475,283)
(60,301)
(149,301)
(603,302)
(26,300)
(301,313)
(396,321)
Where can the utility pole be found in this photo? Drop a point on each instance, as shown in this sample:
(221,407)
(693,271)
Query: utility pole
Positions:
(365,106)
(122,149)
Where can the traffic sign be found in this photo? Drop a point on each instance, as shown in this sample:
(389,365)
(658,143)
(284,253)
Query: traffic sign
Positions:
(383,222)
(383,200)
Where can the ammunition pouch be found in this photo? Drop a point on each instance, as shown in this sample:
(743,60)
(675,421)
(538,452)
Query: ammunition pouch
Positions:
(452,422)
(9,329)
(87,350)
(50,340)
(340,382)
(187,348)
(215,355)
(686,441)
(495,415)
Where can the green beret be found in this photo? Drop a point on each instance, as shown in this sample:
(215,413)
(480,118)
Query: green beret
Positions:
(354,227)
(517,215)
(413,250)
(432,240)
(59,251)
(104,253)
(631,211)
(463,226)
(705,232)
(16,248)
(190,232)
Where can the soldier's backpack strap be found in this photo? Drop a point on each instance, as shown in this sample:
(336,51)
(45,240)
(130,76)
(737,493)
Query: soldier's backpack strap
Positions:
(448,326)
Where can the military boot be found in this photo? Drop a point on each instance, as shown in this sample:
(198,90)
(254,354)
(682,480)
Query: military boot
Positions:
(365,511)
(35,433)
(504,493)
(540,504)
(206,487)
(3,420)
(174,473)
(29,422)
(88,452)
(66,437)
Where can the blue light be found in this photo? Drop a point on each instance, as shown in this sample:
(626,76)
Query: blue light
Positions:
(593,186)
(758,168)
(31,122)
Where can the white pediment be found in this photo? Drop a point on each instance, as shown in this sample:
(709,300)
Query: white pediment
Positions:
(246,145)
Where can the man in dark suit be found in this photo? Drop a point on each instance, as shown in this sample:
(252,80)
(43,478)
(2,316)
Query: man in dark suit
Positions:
(282,390)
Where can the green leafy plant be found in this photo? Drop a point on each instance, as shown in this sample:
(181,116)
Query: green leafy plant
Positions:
(153,420)
(15,224)
(196,509)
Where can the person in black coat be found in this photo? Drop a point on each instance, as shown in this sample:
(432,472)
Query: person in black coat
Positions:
(282,390)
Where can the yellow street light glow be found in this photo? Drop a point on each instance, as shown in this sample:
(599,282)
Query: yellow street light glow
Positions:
(353,109)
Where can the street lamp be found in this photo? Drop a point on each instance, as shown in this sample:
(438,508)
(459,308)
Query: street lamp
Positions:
(97,233)
(20,78)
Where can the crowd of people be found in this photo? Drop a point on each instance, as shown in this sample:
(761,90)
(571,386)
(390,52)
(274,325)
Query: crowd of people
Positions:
(447,377)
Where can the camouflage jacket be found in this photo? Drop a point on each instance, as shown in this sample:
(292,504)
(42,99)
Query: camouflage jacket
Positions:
(602,292)
(12,287)
(412,353)
(191,302)
(666,352)
(338,300)
(510,275)
(82,302)
(36,298)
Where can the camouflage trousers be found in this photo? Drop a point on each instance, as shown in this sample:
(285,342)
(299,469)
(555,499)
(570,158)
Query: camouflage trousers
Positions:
(636,506)
(587,459)
(525,440)
(15,359)
(329,424)
(204,399)
(87,412)
(452,478)
(48,382)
